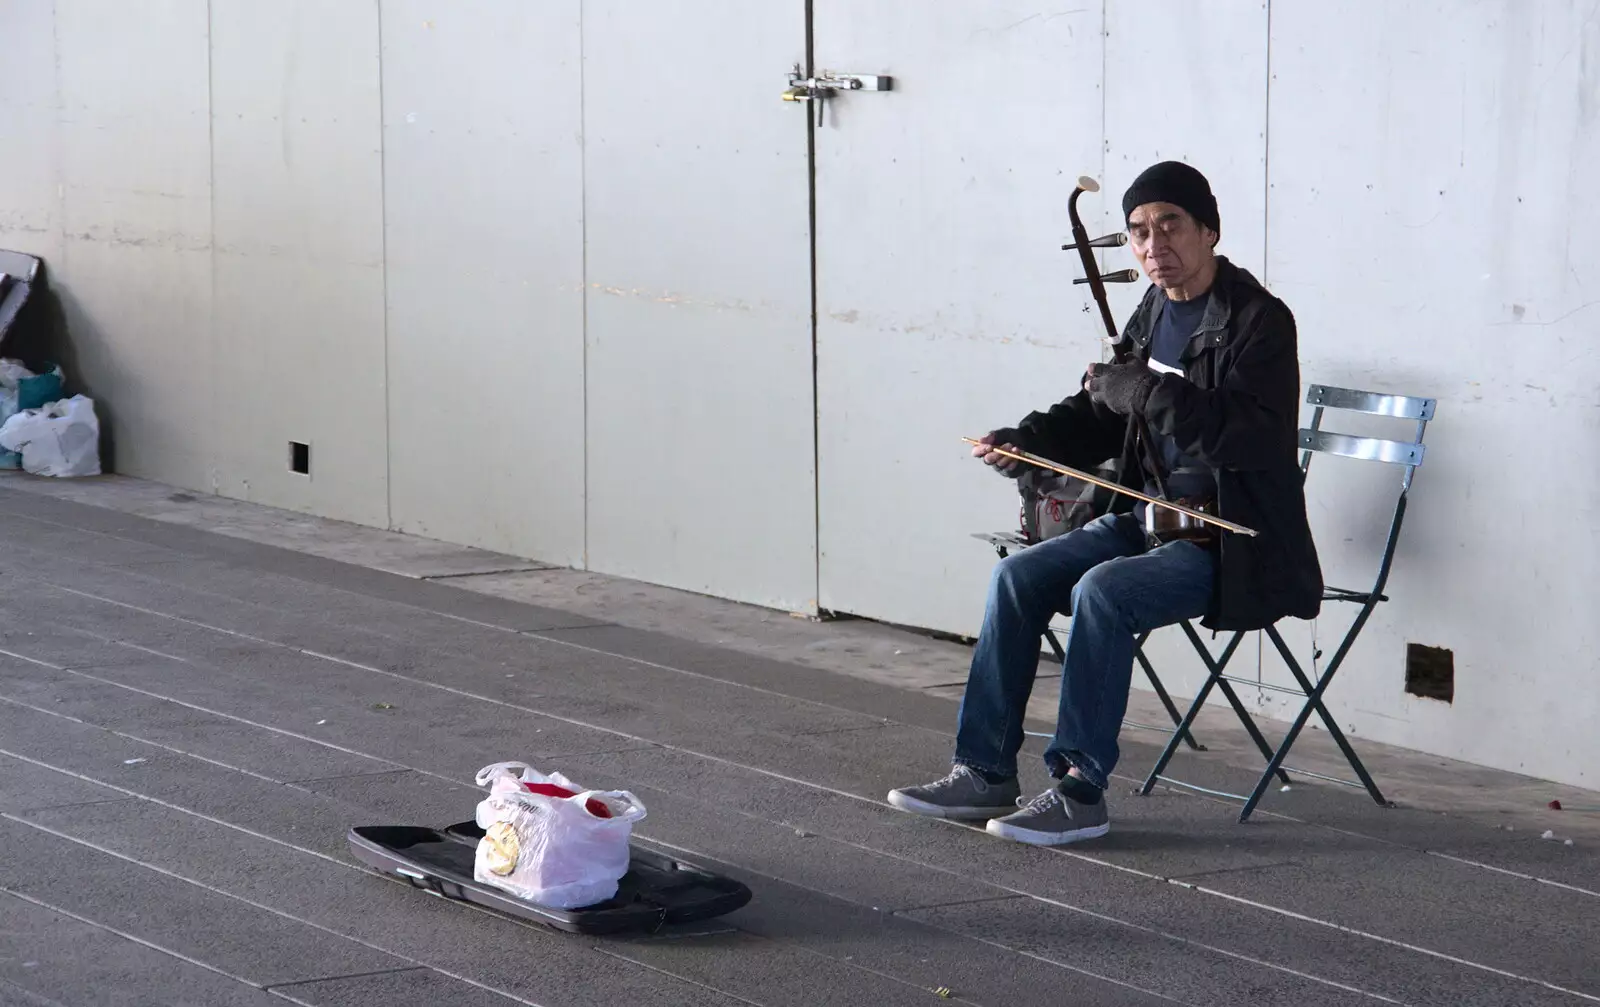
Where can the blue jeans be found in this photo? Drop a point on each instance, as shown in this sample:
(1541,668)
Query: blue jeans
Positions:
(1106,576)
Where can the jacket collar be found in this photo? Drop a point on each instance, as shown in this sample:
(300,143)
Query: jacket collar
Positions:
(1213,324)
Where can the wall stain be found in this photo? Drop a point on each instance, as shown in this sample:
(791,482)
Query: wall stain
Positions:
(675,300)
(935,331)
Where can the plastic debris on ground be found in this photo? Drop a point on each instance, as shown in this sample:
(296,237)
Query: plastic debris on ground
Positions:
(42,433)
(550,841)
(20,389)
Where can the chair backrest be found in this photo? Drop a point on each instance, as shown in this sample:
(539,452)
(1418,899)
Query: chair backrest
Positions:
(20,265)
(18,271)
(1407,454)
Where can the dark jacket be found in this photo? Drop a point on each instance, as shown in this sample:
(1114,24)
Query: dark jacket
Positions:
(1236,410)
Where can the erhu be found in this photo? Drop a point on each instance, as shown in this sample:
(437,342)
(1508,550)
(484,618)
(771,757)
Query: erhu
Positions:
(1167,518)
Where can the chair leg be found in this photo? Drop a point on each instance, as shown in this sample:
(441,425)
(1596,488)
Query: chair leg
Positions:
(1161,692)
(1328,721)
(1177,737)
(1217,667)
(1055,644)
(1213,677)
(1314,702)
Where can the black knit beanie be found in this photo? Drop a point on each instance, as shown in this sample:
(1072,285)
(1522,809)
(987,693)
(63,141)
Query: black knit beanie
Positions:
(1176,183)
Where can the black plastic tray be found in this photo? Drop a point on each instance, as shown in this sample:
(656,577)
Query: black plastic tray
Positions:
(656,891)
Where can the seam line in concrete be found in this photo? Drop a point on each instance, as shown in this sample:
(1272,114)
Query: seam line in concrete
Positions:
(217,713)
(823,732)
(142,942)
(904,910)
(1235,870)
(683,979)
(251,902)
(300,784)
(853,966)
(274,987)
(465,574)
(1015,892)
(540,635)
(145,741)
(182,556)
(1267,813)
(28,996)
(1392,942)
(213,889)
(1514,874)
(32,808)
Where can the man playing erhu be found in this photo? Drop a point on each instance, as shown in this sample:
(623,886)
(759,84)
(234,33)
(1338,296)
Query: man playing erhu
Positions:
(1209,364)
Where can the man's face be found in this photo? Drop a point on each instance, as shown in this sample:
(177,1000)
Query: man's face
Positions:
(1171,246)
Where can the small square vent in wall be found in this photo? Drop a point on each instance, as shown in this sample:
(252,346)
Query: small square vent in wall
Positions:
(300,458)
(1430,672)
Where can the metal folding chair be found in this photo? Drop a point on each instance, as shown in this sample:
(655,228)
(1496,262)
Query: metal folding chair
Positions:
(1004,543)
(1313,440)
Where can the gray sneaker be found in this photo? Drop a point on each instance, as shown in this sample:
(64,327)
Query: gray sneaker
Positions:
(1052,819)
(962,794)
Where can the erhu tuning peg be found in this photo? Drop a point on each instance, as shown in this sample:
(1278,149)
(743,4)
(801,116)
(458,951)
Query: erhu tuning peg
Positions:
(1120,276)
(1109,241)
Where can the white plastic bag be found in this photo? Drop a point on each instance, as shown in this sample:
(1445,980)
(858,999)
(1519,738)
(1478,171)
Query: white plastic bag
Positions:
(61,439)
(564,848)
(12,374)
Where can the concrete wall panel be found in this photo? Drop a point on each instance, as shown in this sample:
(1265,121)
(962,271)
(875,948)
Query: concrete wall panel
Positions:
(299,254)
(699,380)
(1429,222)
(484,215)
(945,306)
(134,268)
(30,170)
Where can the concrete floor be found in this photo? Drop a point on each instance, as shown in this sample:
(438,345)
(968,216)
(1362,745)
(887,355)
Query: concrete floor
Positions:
(199,697)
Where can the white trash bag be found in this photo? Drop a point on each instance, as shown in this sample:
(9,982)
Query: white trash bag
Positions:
(60,439)
(549,841)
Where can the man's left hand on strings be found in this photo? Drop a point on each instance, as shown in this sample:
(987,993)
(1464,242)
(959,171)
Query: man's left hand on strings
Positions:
(1121,388)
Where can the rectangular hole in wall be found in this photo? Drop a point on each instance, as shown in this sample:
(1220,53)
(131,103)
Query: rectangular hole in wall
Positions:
(300,458)
(1430,672)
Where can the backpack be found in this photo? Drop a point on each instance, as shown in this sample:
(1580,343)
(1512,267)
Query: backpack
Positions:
(1054,504)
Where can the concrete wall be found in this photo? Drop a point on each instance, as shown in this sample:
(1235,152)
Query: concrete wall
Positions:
(483,213)
(537,277)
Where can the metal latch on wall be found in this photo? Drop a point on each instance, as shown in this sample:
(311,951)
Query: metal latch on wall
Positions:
(827,84)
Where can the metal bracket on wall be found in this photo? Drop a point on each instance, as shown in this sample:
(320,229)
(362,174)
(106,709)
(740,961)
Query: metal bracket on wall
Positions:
(827,84)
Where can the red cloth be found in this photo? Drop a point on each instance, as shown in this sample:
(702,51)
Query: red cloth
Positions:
(594,807)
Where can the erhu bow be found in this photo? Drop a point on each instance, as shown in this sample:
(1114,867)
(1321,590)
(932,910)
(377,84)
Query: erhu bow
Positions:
(1177,518)
(1067,470)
